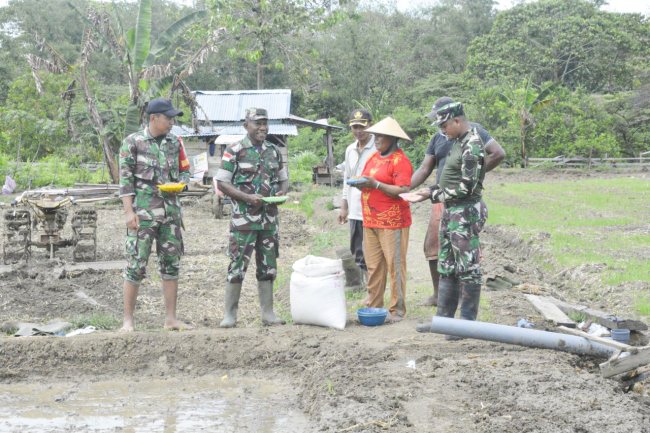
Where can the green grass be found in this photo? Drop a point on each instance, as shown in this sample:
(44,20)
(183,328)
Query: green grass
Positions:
(591,221)
(99,321)
(642,305)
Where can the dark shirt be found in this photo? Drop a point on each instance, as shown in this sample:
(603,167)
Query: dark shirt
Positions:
(439,147)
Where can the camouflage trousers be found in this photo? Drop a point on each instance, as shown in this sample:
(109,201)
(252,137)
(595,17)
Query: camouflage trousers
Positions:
(242,244)
(460,249)
(169,248)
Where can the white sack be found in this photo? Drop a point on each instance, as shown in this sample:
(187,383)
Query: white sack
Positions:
(312,266)
(317,292)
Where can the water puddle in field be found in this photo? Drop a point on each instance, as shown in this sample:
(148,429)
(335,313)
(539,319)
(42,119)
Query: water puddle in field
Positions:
(170,405)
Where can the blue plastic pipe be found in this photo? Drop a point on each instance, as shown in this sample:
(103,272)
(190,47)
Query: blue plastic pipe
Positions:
(520,336)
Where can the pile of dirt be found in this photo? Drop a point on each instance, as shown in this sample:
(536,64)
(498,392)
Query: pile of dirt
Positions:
(388,378)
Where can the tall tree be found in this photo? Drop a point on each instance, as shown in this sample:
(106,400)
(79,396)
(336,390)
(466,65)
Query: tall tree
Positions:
(262,27)
(569,42)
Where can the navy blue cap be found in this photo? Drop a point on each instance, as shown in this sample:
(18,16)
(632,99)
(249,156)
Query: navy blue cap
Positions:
(162,106)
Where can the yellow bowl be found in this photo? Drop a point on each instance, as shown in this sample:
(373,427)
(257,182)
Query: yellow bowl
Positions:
(171,187)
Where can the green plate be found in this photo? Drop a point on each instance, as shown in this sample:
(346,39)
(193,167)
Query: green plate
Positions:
(275,199)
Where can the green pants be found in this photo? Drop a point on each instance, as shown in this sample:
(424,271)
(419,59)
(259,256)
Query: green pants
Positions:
(169,248)
(241,246)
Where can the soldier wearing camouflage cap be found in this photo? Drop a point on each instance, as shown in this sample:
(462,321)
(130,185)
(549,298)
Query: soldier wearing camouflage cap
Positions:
(148,158)
(434,158)
(252,169)
(460,190)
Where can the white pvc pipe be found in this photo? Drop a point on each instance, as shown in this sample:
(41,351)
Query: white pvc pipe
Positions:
(520,336)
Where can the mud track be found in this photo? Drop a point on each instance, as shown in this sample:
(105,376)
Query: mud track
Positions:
(357,380)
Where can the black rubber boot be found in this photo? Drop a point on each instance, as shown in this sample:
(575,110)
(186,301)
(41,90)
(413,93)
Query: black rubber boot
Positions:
(470,297)
(265,289)
(448,293)
(233,290)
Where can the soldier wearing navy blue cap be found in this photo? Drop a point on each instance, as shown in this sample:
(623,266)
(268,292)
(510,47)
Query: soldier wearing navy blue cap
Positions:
(149,158)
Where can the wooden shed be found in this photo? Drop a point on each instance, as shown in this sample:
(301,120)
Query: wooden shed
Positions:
(220,119)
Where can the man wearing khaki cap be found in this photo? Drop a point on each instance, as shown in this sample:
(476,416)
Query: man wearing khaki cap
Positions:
(356,155)
(251,170)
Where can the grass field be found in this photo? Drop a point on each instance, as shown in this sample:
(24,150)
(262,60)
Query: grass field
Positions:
(591,221)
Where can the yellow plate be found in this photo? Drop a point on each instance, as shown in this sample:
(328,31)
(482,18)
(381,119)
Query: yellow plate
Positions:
(171,187)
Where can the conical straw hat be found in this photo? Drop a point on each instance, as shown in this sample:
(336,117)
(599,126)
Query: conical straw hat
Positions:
(389,126)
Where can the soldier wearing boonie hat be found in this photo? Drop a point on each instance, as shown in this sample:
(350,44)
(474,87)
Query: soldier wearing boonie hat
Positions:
(251,170)
(434,158)
(356,155)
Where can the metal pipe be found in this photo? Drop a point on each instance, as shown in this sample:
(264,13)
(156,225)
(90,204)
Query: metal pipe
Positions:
(519,336)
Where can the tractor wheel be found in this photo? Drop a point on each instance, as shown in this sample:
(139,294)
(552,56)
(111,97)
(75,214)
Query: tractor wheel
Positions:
(16,245)
(84,229)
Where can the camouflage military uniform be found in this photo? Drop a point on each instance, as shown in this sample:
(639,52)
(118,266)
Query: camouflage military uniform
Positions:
(253,170)
(144,163)
(460,188)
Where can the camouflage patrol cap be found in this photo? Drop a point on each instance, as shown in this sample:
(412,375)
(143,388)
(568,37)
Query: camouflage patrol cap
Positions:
(256,113)
(448,111)
(440,102)
(360,117)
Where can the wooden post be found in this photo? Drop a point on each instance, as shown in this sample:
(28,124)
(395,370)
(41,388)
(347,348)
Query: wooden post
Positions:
(330,155)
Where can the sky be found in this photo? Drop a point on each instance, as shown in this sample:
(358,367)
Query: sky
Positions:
(640,6)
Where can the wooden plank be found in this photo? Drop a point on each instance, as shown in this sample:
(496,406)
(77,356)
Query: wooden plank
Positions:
(625,361)
(95,266)
(606,341)
(605,319)
(550,311)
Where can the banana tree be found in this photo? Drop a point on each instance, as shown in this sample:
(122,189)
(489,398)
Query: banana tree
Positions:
(147,78)
(525,101)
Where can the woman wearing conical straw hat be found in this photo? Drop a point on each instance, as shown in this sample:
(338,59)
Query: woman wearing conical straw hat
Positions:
(386,217)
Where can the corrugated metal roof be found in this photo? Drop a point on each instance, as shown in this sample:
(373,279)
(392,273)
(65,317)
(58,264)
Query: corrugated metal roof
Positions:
(188,131)
(229,105)
(228,139)
(275,128)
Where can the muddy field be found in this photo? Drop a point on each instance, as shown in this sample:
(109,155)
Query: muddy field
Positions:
(295,377)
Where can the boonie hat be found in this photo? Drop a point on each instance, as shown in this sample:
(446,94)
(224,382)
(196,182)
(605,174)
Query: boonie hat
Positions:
(360,117)
(162,106)
(440,102)
(389,126)
(449,111)
(256,113)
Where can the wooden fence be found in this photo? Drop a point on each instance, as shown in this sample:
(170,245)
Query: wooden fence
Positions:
(643,160)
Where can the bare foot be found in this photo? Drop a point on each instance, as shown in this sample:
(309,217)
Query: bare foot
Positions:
(394,318)
(431,301)
(177,325)
(127,328)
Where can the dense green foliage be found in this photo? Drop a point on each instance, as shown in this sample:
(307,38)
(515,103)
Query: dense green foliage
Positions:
(546,78)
